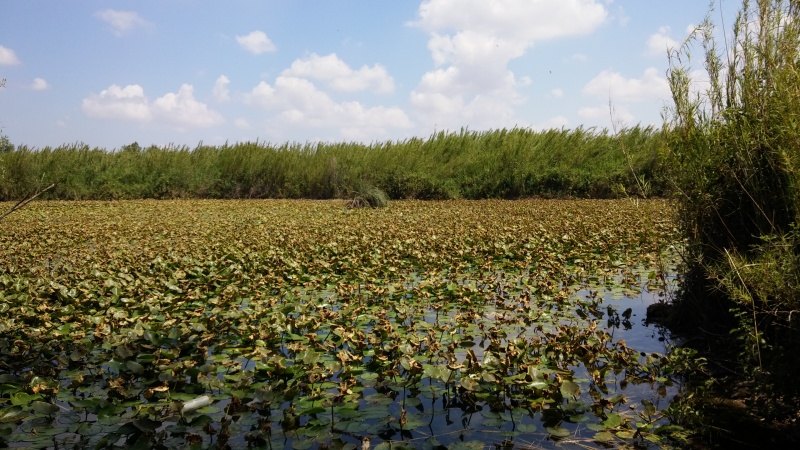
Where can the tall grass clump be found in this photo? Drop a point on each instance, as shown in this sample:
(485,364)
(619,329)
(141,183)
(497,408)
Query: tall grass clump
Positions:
(367,196)
(733,148)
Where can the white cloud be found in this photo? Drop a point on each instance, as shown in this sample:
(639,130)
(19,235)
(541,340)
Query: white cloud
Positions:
(8,57)
(659,43)
(116,103)
(220,91)
(556,122)
(602,115)
(611,85)
(39,84)
(516,20)
(256,43)
(556,93)
(183,110)
(340,76)
(593,112)
(121,22)
(578,57)
(453,111)
(297,102)
(242,124)
(621,16)
(471,43)
(130,104)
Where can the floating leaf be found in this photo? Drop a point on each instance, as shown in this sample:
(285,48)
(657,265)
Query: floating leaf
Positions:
(467,445)
(134,367)
(603,436)
(44,407)
(12,414)
(22,398)
(558,432)
(613,420)
(570,389)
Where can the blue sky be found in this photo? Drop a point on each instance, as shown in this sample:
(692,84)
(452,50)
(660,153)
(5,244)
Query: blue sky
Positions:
(108,73)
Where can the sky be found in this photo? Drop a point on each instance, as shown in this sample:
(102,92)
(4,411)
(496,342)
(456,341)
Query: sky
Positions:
(181,72)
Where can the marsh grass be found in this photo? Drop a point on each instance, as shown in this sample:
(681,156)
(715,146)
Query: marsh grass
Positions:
(506,163)
(734,149)
(367,196)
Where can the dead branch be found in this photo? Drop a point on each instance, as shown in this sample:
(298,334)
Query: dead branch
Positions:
(21,204)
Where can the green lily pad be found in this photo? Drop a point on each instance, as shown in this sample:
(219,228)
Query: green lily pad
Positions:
(558,432)
(603,436)
(12,414)
(44,407)
(22,398)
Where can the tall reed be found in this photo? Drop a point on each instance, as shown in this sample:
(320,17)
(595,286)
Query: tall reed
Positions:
(506,163)
(734,149)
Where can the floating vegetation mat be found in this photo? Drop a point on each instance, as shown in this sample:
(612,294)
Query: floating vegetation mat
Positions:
(305,324)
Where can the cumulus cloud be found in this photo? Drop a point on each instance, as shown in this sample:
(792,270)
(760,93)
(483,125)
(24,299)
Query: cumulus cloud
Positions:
(220,91)
(471,43)
(118,103)
(517,20)
(556,93)
(612,85)
(180,109)
(556,122)
(256,42)
(602,115)
(8,57)
(39,84)
(242,124)
(659,43)
(297,102)
(121,22)
(578,57)
(183,110)
(339,76)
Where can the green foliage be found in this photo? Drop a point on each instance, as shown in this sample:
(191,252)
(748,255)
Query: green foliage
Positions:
(466,164)
(734,154)
(5,144)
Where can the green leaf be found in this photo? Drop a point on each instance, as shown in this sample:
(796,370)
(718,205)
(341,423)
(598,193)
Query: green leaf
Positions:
(468,445)
(649,408)
(134,367)
(22,398)
(625,434)
(470,384)
(44,408)
(570,389)
(558,432)
(12,414)
(612,421)
(314,410)
(594,426)
(603,436)
(201,420)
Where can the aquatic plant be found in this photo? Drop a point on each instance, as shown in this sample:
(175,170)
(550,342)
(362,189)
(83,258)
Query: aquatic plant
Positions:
(295,324)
